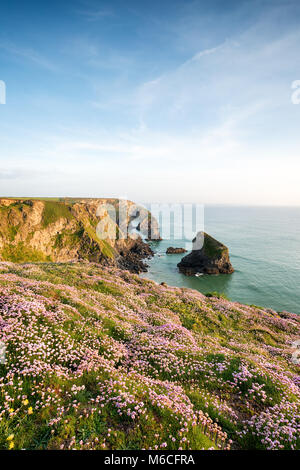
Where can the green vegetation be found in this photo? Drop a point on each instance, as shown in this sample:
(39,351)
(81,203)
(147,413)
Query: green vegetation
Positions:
(68,238)
(53,211)
(105,288)
(12,232)
(218,295)
(106,249)
(212,248)
(103,359)
(20,253)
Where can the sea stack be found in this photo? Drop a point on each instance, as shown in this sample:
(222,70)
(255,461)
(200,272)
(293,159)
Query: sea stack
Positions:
(175,251)
(208,256)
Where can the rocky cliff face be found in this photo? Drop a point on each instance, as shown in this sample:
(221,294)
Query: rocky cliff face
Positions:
(75,229)
(208,257)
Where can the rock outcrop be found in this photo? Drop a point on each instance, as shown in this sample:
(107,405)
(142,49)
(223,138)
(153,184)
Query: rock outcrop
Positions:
(174,251)
(63,230)
(208,256)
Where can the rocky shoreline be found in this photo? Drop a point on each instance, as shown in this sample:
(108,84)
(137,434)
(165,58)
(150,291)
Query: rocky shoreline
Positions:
(134,258)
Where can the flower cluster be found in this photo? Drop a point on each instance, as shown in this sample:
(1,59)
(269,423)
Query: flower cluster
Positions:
(97,358)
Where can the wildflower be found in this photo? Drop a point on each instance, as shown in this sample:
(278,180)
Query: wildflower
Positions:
(11,445)
(10,437)
(30,410)
(25,402)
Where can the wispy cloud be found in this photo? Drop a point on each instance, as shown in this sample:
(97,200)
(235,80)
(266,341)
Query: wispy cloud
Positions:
(206,52)
(96,54)
(28,54)
(95,15)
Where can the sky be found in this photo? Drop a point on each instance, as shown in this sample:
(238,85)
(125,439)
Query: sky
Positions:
(163,101)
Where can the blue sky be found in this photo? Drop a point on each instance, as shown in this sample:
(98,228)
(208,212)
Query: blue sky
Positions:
(172,101)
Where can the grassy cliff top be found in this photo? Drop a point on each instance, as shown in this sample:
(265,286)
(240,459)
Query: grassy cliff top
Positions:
(97,358)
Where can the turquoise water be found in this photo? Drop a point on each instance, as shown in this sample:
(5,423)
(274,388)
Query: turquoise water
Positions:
(264,246)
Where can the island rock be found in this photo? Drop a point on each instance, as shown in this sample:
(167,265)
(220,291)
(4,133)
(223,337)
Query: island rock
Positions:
(208,256)
(174,251)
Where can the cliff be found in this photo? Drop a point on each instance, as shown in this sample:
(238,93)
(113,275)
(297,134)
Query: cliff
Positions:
(98,358)
(208,256)
(68,230)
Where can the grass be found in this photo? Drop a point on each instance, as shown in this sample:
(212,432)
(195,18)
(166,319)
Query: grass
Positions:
(212,248)
(107,289)
(106,249)
(53,211)
(21,253)
(218,295)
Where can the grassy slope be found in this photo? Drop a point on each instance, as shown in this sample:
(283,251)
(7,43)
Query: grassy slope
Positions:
(98,358)
(53,211)
(212,248)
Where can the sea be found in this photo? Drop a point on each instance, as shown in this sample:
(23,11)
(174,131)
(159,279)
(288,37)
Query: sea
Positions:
(264,247)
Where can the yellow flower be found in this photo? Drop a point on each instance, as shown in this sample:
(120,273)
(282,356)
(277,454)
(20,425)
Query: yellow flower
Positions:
(11,410)
(30,410)
(10,437)
(11,445)
(25,402)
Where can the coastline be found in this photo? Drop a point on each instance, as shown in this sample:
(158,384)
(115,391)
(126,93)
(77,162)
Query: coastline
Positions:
(264,251)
